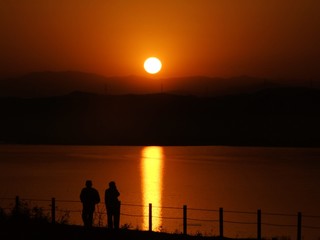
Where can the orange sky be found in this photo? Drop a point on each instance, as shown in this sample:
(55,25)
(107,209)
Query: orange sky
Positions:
(266,38)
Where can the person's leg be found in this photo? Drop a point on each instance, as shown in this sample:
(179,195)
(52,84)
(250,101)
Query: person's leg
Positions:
(109,216)
(116,221)
(117,217)
(84,218)
(90,219)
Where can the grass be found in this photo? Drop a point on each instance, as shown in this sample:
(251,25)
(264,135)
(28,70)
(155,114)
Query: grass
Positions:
(32,231)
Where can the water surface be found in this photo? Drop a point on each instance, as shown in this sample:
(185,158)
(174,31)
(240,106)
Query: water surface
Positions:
(275,180)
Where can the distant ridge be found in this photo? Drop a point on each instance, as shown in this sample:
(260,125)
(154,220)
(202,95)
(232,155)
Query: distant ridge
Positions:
(45,84)
(270,117)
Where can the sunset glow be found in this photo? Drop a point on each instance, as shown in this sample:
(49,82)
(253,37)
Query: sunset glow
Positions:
(113,38)
(151,169)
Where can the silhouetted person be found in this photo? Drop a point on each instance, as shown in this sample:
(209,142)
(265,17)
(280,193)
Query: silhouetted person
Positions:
(89,198)
(112,206)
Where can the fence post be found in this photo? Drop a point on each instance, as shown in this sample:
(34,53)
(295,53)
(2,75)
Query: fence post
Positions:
(259,224)
(53,210)
(299,226)
(185,219)
(221,223)
(150,217)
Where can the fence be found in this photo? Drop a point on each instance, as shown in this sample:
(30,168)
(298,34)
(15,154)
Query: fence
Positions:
(186,221)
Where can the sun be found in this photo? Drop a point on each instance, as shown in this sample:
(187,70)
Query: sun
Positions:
(152,65)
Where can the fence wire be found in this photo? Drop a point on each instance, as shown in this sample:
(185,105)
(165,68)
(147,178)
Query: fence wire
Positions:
(180,216)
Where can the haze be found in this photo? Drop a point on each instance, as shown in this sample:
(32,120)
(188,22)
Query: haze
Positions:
(266,38)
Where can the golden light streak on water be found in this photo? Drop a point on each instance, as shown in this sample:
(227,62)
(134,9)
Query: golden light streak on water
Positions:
(152,171)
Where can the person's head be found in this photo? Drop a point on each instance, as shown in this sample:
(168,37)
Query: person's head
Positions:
(112,184)
(88,183)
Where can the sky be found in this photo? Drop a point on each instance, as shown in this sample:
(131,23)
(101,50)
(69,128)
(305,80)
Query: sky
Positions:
(216,38)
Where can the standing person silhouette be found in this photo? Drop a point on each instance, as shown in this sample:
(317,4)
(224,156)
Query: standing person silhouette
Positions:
(89,197)
(112,205)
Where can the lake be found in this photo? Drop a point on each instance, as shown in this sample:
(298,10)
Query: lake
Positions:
(279,181)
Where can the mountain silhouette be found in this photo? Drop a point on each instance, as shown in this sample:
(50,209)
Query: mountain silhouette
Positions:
(268,117)
(46,84)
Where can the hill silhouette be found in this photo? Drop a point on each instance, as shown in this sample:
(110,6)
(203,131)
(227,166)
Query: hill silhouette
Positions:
(46,84)
(269,117)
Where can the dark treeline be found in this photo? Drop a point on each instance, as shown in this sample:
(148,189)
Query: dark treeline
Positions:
(270,117)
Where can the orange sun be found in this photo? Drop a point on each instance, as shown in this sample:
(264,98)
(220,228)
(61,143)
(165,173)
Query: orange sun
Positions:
(152,65)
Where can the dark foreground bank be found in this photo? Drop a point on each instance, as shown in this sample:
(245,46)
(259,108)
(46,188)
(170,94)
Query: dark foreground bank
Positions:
(72,232)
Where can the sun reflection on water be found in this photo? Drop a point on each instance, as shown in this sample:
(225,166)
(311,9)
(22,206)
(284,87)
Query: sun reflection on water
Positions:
(151,171)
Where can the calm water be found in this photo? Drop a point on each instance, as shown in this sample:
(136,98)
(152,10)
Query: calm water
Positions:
(275,180)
